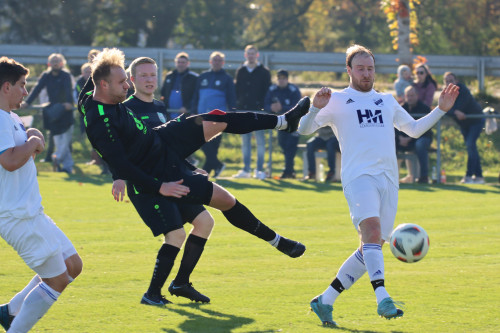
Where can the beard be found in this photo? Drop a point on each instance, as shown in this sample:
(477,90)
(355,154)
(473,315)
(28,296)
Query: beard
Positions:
(119,97)
(362,85)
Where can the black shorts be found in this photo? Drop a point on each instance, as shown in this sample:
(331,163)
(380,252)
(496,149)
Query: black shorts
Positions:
(183,136)
(161,214)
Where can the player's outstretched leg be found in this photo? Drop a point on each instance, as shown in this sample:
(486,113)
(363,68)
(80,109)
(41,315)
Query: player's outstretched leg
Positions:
(246,122)
(241,217)
(293,116)
(323,311)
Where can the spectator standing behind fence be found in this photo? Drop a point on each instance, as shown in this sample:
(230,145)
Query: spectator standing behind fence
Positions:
(252,82)
(421,145)
(404,80)
(214,90)
(471,128)
(324,139)
(58,115)
(280,98)
(179,86)
(425,84)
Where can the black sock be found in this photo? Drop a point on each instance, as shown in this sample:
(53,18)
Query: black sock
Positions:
(192,253)
(164,263)
(377,283)
(244,122)
(337,285)
(241,217)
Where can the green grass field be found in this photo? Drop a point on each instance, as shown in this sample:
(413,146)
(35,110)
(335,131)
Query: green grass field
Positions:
(255,288)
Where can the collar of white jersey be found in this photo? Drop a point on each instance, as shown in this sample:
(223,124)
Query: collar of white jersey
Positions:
(351,90)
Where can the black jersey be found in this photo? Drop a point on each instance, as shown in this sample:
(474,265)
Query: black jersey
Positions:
(152,113)
(133,151)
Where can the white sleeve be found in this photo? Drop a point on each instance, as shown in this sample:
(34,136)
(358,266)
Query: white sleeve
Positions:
(415,128)
(6,136)
(307,124)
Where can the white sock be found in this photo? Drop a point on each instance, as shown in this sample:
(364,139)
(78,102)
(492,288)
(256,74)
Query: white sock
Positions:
(282,123)
(16,301)
(351,271)
(374,262)
(329,296)
(381,293)
(35,305)
(275,241)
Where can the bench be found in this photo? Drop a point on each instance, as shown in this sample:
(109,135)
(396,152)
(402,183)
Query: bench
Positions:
(318,156)
(413,159)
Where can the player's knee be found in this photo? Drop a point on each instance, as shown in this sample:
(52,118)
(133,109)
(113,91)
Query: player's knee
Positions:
(74,265)
(175,237)
(203,224)
(58,283)
(370,230)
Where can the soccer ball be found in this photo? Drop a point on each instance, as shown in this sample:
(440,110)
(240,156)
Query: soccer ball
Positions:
(409,242)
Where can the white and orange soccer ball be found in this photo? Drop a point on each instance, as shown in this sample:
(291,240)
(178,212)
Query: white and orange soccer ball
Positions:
(409,242)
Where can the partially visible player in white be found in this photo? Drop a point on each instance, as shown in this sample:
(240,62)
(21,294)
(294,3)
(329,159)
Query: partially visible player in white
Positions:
(23,224)
(363,121)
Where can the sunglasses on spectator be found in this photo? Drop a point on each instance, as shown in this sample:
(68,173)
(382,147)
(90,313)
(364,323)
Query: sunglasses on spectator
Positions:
(421,72)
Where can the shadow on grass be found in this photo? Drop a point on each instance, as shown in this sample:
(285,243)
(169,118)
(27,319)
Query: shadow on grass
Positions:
(345,329)
(78,176)
(207,321)
(279,185)
(481,189)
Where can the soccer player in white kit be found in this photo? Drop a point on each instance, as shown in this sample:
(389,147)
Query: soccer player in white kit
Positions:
(363,121)
(23,224)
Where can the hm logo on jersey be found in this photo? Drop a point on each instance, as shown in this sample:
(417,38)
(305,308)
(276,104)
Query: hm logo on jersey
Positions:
(369,118)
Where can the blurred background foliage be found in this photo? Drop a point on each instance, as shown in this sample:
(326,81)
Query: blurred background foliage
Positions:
(444,26)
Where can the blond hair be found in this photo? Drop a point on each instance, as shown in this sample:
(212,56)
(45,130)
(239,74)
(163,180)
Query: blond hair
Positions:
(217,53)
(104,61)
(59,56)
(140,61)
(251,47)
(182,55)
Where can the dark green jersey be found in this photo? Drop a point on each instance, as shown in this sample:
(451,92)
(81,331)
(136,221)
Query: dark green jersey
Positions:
(152,113)
(133,151)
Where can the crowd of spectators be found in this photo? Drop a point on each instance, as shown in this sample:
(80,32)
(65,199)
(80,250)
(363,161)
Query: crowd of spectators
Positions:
(185,92)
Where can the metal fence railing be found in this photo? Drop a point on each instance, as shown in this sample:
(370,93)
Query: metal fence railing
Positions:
(270,148)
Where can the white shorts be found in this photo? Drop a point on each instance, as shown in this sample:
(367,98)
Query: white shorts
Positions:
(39,242)
(373,196)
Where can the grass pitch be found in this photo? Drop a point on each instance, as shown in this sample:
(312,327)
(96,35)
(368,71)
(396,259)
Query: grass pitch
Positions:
(255,288)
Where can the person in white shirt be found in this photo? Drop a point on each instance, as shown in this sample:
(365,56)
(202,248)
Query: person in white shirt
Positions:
(23,224)
(363,120)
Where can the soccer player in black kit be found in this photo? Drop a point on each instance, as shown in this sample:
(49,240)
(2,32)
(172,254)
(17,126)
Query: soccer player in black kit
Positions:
(143,74)
(153,160)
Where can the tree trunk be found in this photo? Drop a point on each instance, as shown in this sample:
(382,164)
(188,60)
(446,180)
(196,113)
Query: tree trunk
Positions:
(404,47)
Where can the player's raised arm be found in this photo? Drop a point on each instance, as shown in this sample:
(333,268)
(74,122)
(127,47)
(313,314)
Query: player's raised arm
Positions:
(322,97)
(307,125)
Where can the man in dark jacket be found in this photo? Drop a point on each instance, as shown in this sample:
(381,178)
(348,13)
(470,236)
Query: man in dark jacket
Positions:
(214,90)
(421,145)
(471,128)
(252,82)
(58,83)
(179,86)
